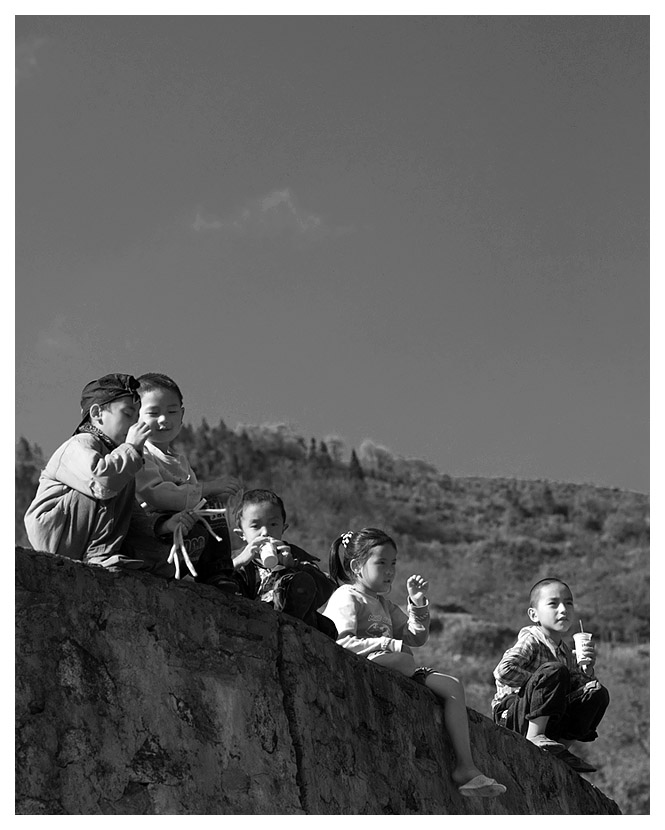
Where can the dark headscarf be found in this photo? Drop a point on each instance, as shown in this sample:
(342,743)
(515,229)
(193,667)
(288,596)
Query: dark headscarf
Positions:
(106,389)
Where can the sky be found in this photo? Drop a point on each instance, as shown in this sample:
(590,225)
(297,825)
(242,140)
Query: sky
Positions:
(430,231)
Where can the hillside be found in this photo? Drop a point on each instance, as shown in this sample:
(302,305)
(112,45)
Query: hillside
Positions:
(481,543)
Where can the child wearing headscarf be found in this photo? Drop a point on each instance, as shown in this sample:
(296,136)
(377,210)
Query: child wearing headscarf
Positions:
(85,506)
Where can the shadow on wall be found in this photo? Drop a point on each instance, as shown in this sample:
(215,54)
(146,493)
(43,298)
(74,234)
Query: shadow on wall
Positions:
(140,696)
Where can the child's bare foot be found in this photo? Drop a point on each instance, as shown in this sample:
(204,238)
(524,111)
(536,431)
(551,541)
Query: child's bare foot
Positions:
(462,775)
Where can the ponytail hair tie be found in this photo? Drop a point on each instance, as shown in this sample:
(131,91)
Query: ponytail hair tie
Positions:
(346,538)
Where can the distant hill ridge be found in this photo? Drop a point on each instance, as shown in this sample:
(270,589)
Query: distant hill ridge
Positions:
(479,539)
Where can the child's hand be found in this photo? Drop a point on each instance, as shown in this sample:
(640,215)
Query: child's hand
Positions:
(587,653)
(180,524)
(184,518)
(285,557)
(138,434)
(222,486)
(284,551)
(250,551)
(253,551)
(417,588)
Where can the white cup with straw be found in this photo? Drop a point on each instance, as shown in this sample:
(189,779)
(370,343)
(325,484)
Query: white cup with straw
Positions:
(581,637)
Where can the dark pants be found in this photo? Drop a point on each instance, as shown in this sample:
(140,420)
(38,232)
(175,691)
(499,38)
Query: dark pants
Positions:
(312,590)
(573,715)
(215,558)
(114,533)
(322,590)
(211,559)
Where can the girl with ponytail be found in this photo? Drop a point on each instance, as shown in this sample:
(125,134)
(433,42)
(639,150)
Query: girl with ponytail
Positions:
(362,564)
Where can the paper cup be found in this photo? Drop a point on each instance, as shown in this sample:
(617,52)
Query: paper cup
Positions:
(268,555)
(581,637)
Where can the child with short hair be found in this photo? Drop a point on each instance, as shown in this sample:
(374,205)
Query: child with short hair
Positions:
(295,585)
(167,482)
(543,692)
(363,565)
(85,506)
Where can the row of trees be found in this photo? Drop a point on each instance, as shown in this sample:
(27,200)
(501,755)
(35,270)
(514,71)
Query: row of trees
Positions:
(479,539)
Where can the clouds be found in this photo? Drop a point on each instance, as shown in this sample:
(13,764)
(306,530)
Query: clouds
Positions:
(26,57)
(57,342)
(277,214)
(201,223)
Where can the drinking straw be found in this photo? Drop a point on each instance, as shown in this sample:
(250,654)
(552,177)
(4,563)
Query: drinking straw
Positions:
(581,627)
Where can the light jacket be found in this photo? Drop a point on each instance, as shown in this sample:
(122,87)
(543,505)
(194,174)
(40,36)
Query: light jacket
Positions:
(84,464)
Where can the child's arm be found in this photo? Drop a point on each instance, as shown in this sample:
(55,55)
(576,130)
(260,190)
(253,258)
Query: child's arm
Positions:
(168,524)
(163,495)
(221,486)
(252,549)
(246,555)
(518,663)
(413,629)
(81,466)
(151,524)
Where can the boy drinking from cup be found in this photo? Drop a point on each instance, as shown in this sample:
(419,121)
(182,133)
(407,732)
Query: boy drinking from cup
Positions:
(545,691)
(275,571)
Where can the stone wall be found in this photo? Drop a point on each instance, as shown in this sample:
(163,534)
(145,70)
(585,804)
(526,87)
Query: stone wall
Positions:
(140,696)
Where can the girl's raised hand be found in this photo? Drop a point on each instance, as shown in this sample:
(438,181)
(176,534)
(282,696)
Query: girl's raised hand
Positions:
(417,588)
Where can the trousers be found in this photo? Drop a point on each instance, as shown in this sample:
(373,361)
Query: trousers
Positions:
(573,715)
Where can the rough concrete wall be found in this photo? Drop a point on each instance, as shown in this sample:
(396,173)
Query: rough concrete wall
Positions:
(141,696)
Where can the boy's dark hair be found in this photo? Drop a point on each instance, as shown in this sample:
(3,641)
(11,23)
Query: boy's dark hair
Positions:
(534,593)
(257,497)
(354,545)
(156,380)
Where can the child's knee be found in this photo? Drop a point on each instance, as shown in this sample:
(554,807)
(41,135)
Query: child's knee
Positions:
(404,663)
(455,685)
(553,672)
(445,684)
(600,695)
(398,660)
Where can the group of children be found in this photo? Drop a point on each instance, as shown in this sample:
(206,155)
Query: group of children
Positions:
(117,494)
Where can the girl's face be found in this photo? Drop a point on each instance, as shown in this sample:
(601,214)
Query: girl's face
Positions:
(162,411)
(378,572)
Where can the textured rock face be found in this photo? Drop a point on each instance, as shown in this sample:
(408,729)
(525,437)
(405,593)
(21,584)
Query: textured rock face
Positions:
(140,696)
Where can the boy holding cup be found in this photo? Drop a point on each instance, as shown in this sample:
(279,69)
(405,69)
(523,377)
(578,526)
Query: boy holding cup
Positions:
(545,691)
(278,572)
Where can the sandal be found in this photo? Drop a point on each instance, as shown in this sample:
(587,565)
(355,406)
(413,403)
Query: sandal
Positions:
(547,744)
(576,763)
(482,787)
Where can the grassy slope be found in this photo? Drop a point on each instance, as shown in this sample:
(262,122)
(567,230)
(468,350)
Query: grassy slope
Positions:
(482,543)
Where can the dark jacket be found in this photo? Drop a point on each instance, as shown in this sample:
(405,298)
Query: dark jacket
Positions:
(250,575)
